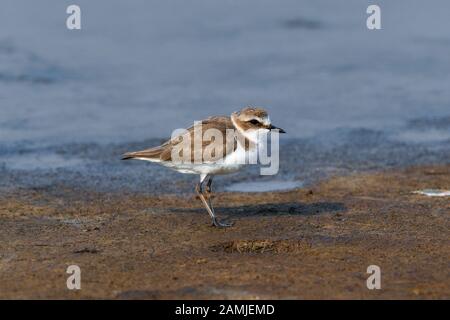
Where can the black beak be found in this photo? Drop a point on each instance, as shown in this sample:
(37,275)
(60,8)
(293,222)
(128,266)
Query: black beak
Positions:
(276,128)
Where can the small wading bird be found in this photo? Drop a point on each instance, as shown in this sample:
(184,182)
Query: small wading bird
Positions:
(247,125)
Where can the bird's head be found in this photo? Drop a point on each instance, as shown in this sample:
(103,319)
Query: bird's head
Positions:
(252,119)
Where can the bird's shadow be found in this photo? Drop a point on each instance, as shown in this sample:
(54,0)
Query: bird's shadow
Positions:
(272,209)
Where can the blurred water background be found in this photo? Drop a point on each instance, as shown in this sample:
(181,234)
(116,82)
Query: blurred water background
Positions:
(350,98)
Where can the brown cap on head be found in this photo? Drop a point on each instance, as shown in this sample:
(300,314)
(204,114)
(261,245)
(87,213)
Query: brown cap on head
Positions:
(252,112)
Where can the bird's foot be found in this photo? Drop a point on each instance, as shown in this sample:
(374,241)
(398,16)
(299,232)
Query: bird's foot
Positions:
(220,224)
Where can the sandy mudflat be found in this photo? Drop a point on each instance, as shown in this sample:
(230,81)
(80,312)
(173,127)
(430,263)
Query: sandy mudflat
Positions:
(306,243)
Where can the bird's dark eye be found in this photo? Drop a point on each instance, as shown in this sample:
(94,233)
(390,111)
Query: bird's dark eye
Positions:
(254,121)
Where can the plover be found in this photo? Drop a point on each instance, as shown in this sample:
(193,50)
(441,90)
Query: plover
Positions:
(229,155)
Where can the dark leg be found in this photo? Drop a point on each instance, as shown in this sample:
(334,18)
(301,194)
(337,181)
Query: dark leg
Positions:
(208,192)
(208,205)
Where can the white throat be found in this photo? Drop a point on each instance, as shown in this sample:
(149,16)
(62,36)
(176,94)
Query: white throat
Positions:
(253,135)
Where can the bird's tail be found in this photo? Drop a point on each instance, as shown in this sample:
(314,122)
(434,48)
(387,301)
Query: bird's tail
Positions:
(150,154)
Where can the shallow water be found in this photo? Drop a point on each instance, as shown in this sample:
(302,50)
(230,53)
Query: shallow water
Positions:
(350,99)
(264,186)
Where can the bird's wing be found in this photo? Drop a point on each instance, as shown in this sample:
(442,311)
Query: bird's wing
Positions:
(211,149)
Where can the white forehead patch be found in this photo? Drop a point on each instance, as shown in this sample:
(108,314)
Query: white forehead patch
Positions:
(266,121)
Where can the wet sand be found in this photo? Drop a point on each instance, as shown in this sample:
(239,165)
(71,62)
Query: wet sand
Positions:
(313,242)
